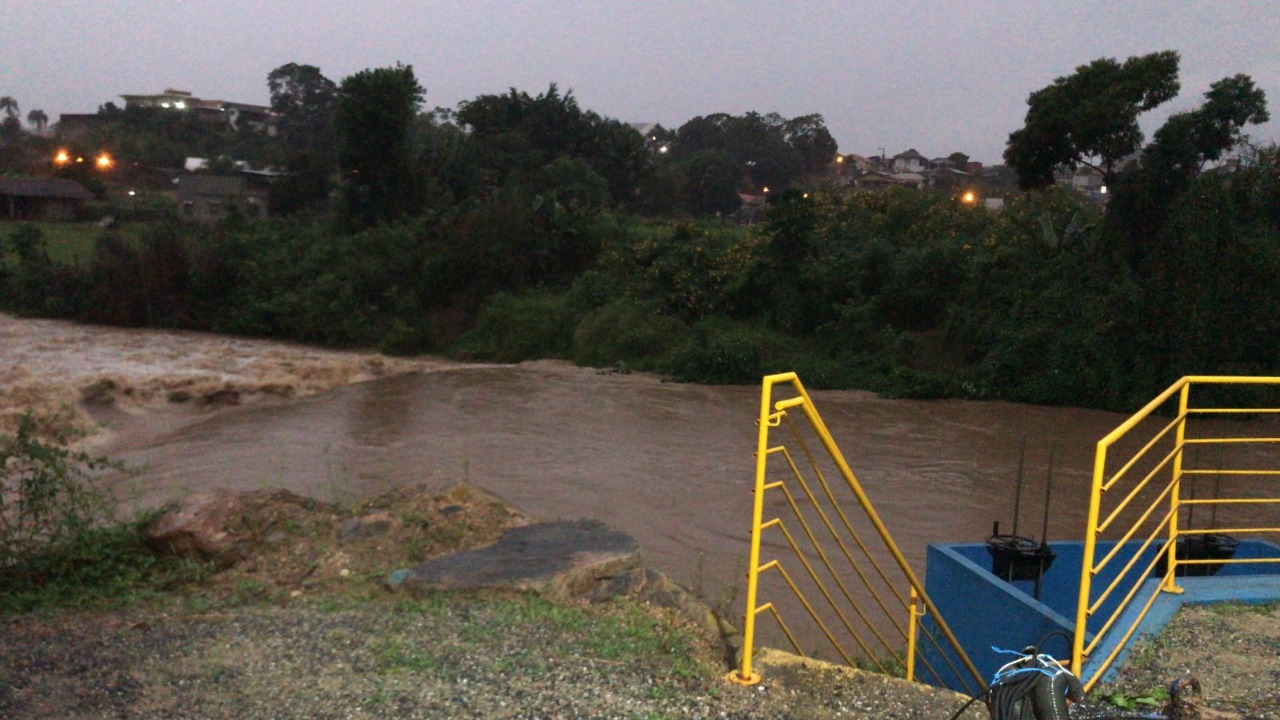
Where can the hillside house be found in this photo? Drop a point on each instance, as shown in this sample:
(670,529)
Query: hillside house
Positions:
(55,199)
(210,198)
(910,162)
(234,114)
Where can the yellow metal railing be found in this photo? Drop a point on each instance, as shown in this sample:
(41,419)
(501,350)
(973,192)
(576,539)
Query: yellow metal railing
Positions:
(1139,504)
(851,602)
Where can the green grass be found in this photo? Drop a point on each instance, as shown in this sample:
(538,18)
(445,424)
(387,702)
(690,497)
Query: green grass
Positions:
(72,242)
(101,568)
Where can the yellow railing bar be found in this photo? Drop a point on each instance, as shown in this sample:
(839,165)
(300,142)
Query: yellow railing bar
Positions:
(826,562)
(1231,411)
(1233,501)
(1124,604)
(1223,441)
(1106,663)
(848,526)
(1230,561)
(826,487)
(785,630)
(826,594)
(1086,560)
(915,614)
(1230,472)
(1139,487)
(1120,576)
(1134,529)
(773,417)
(1229,531)
(1101,483)
(746,676)
(1170,583)
(813,614)
(1142,453)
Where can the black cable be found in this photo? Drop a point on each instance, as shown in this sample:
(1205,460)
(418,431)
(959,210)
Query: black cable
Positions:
(972,700)
(1052,634)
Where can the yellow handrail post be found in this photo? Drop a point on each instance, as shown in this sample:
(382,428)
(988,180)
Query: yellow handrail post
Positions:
(746,676)
(1168,583)
(1086,560)
(913,609)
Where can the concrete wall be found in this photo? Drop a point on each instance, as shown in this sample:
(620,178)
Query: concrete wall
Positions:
(983,610)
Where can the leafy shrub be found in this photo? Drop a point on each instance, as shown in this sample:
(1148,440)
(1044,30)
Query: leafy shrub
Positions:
(720,354)
(60,540)
(511,329)
(48,496)
(403,338)
(625,331)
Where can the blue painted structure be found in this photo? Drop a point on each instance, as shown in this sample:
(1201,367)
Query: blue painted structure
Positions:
(984,610)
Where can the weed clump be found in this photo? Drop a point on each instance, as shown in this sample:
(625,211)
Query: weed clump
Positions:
(62,542)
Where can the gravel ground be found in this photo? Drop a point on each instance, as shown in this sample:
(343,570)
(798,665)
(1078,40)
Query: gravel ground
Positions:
(477,657)
(1232,651)
(516,656)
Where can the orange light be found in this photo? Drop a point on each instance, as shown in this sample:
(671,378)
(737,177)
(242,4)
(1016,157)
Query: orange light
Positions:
(104,161)
(62,158)
(969,197)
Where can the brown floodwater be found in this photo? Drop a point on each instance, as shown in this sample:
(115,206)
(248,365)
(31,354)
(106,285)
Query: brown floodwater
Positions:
(672,464)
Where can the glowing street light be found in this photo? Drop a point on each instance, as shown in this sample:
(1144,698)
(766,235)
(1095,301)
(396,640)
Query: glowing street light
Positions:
(62,158)
(104,161)
(969,197)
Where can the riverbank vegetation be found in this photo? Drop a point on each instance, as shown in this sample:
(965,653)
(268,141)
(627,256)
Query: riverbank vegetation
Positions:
(521,227)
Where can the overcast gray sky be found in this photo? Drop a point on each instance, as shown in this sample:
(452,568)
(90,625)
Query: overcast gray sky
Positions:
(936,76)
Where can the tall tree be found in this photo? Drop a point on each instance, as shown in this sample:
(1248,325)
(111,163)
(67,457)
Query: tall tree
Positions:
(1090,117)
(1188,140)
(374,117)
(38,119)
(809,136)
(519,134)
(303,97)
(9,106)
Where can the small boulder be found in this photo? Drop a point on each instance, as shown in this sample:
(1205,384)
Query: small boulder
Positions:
(369,525)
(200,527)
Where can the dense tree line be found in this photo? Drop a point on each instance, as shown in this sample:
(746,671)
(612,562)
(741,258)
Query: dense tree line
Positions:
(523,226)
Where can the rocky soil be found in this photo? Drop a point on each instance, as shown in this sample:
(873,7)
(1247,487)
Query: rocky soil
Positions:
(1232,652)
(301,622)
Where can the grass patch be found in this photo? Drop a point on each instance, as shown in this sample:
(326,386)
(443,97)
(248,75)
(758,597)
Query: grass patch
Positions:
(72,243)
(100,568)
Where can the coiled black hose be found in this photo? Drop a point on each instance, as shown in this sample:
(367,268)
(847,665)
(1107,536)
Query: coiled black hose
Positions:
(1034,686)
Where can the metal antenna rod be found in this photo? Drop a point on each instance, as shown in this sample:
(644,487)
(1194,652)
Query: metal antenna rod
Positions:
(1048,493)
(1017,495)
